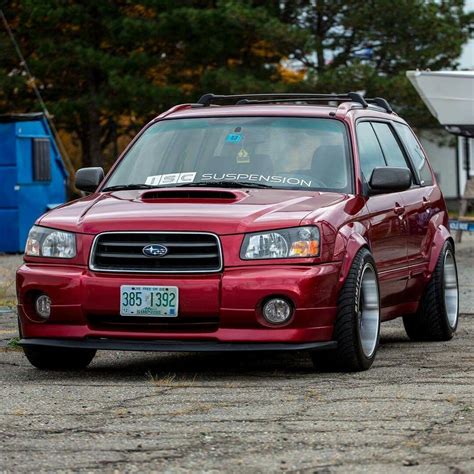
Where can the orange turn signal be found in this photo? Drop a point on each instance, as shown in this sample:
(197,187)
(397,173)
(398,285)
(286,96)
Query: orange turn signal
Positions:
(304,248)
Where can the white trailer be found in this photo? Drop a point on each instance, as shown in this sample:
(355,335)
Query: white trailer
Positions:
(449,95)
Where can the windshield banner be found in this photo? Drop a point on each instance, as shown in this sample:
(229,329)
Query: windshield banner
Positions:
(257,178)
(190,177)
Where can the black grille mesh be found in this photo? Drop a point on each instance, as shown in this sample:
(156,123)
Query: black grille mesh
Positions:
(187,252)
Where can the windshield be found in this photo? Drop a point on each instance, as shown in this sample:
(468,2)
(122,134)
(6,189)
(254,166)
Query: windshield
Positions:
(274,152)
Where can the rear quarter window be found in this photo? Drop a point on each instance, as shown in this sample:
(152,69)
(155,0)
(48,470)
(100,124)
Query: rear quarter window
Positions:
(416,153)
(391,150)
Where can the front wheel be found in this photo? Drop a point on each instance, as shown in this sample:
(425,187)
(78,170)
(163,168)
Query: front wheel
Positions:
(357,326)
(437,316)
(52,358)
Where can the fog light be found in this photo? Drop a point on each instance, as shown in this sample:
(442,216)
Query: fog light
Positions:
(43,306)
(277,311)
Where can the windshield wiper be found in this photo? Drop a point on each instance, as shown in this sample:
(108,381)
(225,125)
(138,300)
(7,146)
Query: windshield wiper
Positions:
(214,184)
(224,184)
(121,187)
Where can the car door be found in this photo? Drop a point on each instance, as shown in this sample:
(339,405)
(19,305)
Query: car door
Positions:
(386,222)
(418,200)
(421,202)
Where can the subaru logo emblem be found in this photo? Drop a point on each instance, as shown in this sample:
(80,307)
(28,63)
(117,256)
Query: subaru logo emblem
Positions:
(155,250)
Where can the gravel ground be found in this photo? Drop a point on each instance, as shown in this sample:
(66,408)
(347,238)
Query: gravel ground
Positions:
(250,412)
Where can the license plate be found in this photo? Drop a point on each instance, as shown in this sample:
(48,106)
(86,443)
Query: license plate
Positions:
(157,301)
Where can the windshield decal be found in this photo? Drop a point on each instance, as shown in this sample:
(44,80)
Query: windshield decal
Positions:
(243,156)
(258,178)
(233,138)
(171,178)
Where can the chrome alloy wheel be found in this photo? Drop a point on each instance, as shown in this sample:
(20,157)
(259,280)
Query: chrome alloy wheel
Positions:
(369,310)
(450,289)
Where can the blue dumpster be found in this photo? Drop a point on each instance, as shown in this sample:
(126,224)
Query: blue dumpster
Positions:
(32,176)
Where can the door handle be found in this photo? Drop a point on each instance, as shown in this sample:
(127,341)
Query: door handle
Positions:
(426,203)
(399,210)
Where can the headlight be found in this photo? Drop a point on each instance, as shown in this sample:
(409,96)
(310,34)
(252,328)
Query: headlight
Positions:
(45,242)
(283,243)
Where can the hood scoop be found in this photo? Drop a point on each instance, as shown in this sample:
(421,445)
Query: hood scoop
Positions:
(201,195)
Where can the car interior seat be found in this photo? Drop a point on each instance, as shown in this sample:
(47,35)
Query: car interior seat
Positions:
(329,166)
(254,164)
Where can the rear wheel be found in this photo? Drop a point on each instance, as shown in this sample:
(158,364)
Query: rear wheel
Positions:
(437,316)
(357,326)
(52,358)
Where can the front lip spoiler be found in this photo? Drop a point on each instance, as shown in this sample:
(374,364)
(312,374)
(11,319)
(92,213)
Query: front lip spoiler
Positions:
(174,346)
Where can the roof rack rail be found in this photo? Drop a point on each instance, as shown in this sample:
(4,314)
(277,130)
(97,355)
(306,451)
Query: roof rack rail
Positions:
(382,103)
(239,99)
(284,101)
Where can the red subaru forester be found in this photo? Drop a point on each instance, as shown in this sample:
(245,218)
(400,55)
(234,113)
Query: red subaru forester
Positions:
(246,223)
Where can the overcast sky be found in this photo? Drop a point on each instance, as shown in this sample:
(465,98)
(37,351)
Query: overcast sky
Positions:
(467,57)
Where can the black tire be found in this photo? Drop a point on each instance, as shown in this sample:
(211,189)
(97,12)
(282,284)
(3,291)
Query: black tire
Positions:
(351,354)
(52,358)
(432,322)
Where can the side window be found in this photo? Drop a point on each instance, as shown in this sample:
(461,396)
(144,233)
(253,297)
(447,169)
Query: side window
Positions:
(370,153)
(416,153)
(390,147)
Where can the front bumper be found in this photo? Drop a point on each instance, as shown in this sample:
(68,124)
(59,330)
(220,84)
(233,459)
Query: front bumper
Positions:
(215,309)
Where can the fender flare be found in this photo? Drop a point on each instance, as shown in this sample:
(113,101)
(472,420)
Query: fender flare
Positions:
(348,243)
(441,235)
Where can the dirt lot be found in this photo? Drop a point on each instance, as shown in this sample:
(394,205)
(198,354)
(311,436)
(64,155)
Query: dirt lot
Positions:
(130,412)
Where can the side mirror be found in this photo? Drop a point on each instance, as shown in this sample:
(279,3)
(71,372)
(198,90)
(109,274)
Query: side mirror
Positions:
(389,179)
(87,179)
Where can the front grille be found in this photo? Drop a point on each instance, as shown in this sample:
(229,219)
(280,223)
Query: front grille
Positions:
(187,252)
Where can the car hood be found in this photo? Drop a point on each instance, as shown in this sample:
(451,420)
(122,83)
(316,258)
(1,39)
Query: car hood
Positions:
(211,210)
